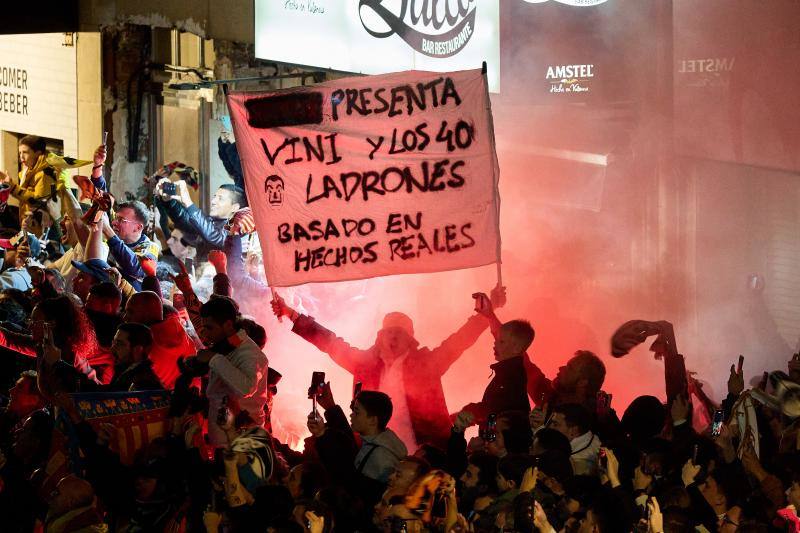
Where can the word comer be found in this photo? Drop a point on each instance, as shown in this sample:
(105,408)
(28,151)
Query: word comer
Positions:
(395,101)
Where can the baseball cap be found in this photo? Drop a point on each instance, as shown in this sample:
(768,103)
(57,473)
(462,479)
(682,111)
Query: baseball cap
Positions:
(13,242)
(94,267)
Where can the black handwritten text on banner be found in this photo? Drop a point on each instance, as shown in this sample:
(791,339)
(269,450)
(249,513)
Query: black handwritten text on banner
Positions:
(370,176)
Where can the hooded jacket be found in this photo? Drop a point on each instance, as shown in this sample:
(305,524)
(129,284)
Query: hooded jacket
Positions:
(35,186)
(423,369)
(362,466)
(379,455)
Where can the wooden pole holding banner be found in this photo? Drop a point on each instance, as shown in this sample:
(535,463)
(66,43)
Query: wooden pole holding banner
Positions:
(497,166)
(275,295)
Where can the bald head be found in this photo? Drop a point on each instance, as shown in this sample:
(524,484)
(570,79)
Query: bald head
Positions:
(71,493)
(145,308)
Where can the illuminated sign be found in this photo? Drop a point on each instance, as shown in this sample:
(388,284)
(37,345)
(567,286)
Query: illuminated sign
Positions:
(569,78)
(376,36)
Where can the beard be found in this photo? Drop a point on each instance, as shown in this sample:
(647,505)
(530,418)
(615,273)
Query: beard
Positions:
(467,497)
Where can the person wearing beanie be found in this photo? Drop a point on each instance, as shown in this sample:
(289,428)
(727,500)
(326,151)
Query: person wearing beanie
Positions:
(396,365)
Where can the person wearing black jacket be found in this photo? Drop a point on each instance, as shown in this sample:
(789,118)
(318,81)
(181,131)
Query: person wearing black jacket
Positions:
(507,391)
(229,155)
(203,231)
(133,370)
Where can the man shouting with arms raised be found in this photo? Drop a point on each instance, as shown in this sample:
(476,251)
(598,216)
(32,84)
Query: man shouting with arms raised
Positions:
(396,365)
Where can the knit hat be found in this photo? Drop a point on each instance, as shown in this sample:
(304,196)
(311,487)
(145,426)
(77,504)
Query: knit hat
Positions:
(398,320)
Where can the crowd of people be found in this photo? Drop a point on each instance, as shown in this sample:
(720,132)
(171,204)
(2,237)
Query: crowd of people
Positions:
(100,301)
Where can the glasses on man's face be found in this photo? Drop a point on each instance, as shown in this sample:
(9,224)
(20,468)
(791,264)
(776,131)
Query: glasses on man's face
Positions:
(120,220)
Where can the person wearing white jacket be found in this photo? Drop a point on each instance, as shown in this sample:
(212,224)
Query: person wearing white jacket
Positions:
(237,367)
(574,421)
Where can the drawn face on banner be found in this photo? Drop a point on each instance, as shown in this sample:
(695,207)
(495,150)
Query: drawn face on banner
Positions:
(273,186)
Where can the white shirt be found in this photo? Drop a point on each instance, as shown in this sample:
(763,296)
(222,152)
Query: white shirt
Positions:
(585,450)
(392,383)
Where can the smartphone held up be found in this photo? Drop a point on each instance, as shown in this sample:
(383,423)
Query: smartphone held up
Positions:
(489,433)
(716,424)
(317,382)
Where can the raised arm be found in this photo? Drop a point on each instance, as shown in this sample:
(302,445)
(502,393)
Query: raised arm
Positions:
(150,281)
(72,208)
(222,284)
(456,344)
(190,215)
(485,307)
(338,349)
(184,283)
(635,332)
(205,227)
(17,342)
(173,207)
(97,170)
(239,279)
(128,262)
(674,367)
(94,243)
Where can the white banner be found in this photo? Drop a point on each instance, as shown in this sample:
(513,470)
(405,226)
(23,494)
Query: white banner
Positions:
(371,176)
